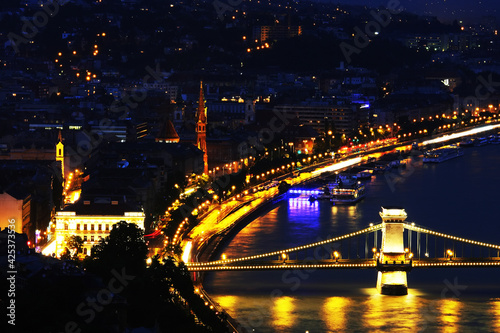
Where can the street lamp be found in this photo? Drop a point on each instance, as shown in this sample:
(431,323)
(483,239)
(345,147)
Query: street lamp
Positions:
(449,253)
(336,255)
(284,257)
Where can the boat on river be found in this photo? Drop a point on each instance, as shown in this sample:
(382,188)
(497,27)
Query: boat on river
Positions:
(344,192)
(442,154)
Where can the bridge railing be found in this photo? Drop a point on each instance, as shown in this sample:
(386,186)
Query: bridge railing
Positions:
(426,243)
(343,251)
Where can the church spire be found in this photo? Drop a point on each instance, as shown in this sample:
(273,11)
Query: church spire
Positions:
(60,153)
(201,129)
(202,117)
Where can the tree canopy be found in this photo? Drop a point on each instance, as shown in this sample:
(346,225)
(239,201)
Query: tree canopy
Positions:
(123,248)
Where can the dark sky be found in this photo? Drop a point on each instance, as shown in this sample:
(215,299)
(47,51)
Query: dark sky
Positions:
(466,10)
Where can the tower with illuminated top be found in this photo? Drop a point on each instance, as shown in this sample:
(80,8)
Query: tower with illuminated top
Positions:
(60,152)
(201,129)
(393,263)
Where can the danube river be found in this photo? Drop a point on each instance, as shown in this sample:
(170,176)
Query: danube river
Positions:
(458,197)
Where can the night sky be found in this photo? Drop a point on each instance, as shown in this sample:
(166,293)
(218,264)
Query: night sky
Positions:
(445,10)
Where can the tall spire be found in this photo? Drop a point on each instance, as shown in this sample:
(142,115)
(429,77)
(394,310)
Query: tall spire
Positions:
(202,117)
(201,129)
(60,153)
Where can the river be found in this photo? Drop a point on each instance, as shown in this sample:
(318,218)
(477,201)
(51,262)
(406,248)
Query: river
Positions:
(457,197)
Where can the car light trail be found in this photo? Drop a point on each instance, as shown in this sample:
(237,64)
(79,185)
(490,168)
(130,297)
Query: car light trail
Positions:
(187,251)
(337,166)
(461,134)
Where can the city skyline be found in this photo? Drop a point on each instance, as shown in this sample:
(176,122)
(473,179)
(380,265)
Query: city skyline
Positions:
(447,11)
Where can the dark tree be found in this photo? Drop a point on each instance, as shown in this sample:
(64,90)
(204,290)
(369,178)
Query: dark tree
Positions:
(123,248)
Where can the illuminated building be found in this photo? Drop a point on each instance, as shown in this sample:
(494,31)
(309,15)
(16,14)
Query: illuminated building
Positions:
(93,219)
(60,153)
(265,33)
(15,204)
(201,129)
(343,118)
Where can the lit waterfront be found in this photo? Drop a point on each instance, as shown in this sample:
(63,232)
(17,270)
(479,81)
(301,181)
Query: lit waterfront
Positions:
(445,197)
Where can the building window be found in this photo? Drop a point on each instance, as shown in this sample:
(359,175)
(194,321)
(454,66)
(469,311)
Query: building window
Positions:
(85,227)
(65,226)
(84,238)
(78,226)
(99,227)
(92,238)
(107,227)
(85,250)
(92,227)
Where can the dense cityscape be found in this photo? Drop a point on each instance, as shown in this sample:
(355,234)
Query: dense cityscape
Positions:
(133,132)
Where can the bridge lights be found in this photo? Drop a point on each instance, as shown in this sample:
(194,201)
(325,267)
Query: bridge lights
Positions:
(336,255)
(375,253)
(224,257)
(410,255)
(284,257)
(449,253)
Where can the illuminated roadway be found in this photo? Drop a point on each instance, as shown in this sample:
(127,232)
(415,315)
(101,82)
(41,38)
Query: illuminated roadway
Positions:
(224,216)
(257,262)
(348,264)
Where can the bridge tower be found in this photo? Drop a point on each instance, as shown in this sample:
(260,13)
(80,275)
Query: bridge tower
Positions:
(392,265)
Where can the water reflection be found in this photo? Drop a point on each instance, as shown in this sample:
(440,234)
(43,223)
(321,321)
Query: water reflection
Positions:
(294,223)
(351,211)
(228,302)
(450,315)
(401,313)
(495,312)
(283,312)
(334,313)
(302,203)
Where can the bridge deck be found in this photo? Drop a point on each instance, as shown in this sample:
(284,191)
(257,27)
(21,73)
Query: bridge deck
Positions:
(341,264)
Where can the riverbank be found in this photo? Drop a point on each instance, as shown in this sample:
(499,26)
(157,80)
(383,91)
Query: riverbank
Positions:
(238,216)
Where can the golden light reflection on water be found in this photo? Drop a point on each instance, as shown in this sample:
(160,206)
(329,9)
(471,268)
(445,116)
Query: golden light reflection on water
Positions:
(495,311)
(450,314)
(228,302)
(283,312)
(397,312)
(351,211)
(334,313)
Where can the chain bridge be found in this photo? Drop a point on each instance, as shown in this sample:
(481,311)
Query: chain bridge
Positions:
(392,247)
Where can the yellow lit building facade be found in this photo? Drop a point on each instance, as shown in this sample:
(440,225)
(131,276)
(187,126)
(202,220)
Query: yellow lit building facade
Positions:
(93,225)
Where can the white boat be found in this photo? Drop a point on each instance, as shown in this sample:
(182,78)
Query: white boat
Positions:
(346,190)
(442,154)
(348,193)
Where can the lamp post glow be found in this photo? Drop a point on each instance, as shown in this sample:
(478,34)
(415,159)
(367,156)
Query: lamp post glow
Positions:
(336,255)
(284,257)
(449,253)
